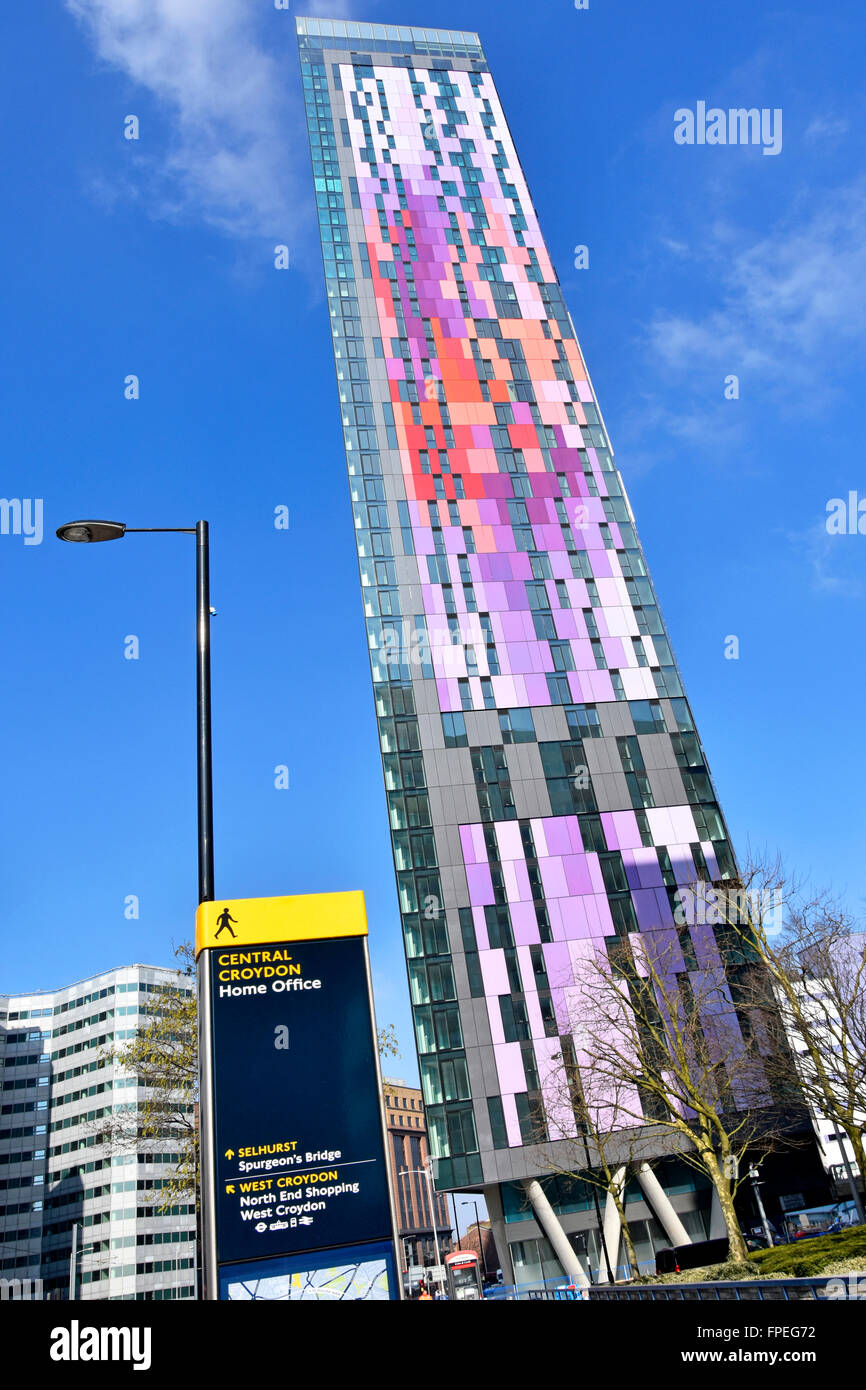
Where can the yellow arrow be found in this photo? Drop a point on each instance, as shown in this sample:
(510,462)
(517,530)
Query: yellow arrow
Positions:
(230,1187)
(230,1153)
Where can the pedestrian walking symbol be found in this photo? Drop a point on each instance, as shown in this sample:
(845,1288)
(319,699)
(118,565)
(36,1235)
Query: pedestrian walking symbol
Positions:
(224,922)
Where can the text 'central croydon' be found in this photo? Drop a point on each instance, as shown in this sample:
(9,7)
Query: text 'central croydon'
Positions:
(275,965)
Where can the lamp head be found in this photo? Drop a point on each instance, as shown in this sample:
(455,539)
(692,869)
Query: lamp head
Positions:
(87,532)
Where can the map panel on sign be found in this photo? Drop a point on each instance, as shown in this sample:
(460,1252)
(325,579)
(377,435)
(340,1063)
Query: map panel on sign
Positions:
(364,1273)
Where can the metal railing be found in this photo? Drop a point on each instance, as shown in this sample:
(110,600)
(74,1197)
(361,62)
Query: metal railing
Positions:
(557,1283)
(543,1289)
(821,1287)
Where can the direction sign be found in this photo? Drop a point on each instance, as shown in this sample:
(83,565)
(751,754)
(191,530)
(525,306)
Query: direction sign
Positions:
(294,1130)
(300,1163)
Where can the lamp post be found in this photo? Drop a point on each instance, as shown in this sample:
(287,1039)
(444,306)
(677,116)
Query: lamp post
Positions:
(89,532)
(470,1201)
(756,1189)
(849,1173)
(456,1220)
(425,1171)
(73,1264)
(599,1224)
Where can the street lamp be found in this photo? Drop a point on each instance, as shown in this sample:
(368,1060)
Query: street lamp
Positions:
(431,1200)
(456,1218)
(852,1185)
(89,532)
(756,1189)
(599,1224)
(470,1201)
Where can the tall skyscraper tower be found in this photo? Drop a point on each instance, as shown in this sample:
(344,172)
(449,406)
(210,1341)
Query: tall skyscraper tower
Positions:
(545,781)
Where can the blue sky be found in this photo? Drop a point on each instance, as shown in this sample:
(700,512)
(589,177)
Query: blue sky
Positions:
(155,257)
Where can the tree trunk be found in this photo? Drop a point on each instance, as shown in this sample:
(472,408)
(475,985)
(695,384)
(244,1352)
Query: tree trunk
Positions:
(738,1251)
(630,1252)
(855,1134)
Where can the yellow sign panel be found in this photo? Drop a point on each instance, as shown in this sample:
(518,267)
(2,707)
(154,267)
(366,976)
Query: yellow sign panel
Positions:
(306,917)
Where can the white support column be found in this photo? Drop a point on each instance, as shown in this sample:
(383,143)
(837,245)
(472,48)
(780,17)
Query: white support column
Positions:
(661,1205)
(718,1229)
(611,1226)
(549,1223)
(502,1251)
(500,1235)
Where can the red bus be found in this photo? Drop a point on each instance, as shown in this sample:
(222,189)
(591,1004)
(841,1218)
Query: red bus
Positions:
(463,1274)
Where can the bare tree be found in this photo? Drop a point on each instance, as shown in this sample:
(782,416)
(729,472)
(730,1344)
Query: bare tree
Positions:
(386,1039)
(162,1059)
(661,1038)
(587,1148)
(812,956)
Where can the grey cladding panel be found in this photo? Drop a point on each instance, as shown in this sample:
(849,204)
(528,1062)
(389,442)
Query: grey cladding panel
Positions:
(615,719)
(551,725)
(532,799)
(611,792)
(482,727)
(524,762)
(453,805)
(601,756)
(667,787)
(657,751)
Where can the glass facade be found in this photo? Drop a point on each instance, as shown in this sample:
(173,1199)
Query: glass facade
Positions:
(547,790)
(61,1179)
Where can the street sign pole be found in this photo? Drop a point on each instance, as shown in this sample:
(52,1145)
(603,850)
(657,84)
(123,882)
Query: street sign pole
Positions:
(206,1126)
(203,714)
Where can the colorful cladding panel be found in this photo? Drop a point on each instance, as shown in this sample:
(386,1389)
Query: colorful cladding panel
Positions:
(535,601)
(519,474)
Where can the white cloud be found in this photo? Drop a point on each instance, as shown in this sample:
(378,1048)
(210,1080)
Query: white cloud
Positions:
(676,248)
(825,555)
(792,300)
(826,128)
(237,156)
(649,427)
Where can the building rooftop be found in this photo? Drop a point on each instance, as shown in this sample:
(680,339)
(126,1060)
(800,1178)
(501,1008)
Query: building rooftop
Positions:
(393,38)
(99,974)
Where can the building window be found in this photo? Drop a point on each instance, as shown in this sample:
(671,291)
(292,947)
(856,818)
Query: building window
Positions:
(559,690)
(515,1020)
(496,1115)
(647,716)
(583,721)
(517,726)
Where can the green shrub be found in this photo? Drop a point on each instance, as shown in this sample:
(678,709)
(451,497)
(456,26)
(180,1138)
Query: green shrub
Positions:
(803,1260)
(806,1258)
(731,1269)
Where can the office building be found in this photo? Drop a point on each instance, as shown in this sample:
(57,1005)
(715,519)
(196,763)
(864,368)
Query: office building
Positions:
(408,1155)
(823,1011)
(546,785)
(59,1182)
